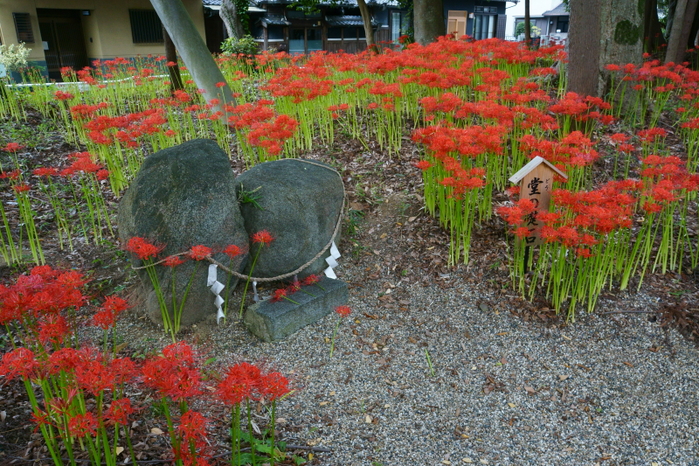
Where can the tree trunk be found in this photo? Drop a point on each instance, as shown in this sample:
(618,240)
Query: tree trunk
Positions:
(229,15)
(171,57)
(195,55)
(428,20)
(590,50)
(368,30)
(691,40)
(681,27)
(584,46)
(527,25)
(652,30)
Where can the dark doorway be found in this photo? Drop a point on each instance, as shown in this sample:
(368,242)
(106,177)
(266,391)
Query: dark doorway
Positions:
(64,43)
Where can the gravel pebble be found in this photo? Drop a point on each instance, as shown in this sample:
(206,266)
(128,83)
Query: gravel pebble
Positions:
(612,389)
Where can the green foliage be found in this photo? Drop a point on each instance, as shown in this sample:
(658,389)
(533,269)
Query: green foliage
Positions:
(241,7)
(243,46)
(534,30)
(354,218)
(626,33)
(250,197)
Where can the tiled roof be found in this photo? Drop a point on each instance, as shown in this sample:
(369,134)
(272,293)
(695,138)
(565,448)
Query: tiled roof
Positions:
(274,20)
(346,21)
(560,10)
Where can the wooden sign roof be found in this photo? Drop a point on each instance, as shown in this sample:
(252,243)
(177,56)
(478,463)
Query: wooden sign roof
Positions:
(533,163)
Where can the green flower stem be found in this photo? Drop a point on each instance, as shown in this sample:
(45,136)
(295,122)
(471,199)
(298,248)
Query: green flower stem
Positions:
(247,282)
(171,428)
(332,341)
(235,435)
(177,311)
(251,432)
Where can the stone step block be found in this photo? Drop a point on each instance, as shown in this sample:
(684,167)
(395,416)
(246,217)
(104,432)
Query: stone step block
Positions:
(272,321)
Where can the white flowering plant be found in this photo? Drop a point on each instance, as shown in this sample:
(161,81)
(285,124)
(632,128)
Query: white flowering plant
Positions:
(14,56)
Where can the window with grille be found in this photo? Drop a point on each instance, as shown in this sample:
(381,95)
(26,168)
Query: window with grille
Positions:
(23,26)
(145,27)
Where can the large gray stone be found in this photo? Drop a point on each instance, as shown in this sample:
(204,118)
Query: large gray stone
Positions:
(184,196)
(271,321)
(299,204)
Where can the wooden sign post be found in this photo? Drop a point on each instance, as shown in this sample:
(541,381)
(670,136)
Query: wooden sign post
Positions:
(535,183)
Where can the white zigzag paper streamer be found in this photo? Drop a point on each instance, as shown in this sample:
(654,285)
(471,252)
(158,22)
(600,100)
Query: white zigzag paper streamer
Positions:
(216,287)
(332,261)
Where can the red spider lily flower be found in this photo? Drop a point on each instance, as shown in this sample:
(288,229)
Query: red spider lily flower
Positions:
(263,237)
(65,360)
(19,363)
(249,373)
(278,295)
(71,279)
(124,370)
(46,171)
(53,328)
(12,147)
(21,188)
(521,232)
(60,95)
(94,376)
(343,311)
(41,418)
(192,428)
(241,382)
(106,317)
(221,84)
(233,392)
(102,174)
(232,251)
(174,374)
(199,252)
(310,280)
(143,249)
(423,164)
(173,261)
(619,138)
(119,411)
(82,425)
(651,207)
(273,386)
(294,286)
(11,175)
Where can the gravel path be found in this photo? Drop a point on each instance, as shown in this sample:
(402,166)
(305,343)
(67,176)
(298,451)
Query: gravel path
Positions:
(613,389)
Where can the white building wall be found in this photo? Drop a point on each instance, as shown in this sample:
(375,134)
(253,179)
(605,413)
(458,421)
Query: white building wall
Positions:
(536,8)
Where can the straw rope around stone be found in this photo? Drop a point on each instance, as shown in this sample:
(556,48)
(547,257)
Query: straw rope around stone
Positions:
(296,271)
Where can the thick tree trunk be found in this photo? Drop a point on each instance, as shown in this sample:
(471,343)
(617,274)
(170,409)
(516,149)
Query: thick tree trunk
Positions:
(195,55)
(368,30)
(428,20)
(591,50)
(171,57)
(681,28)
(584,38)
(229,15)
